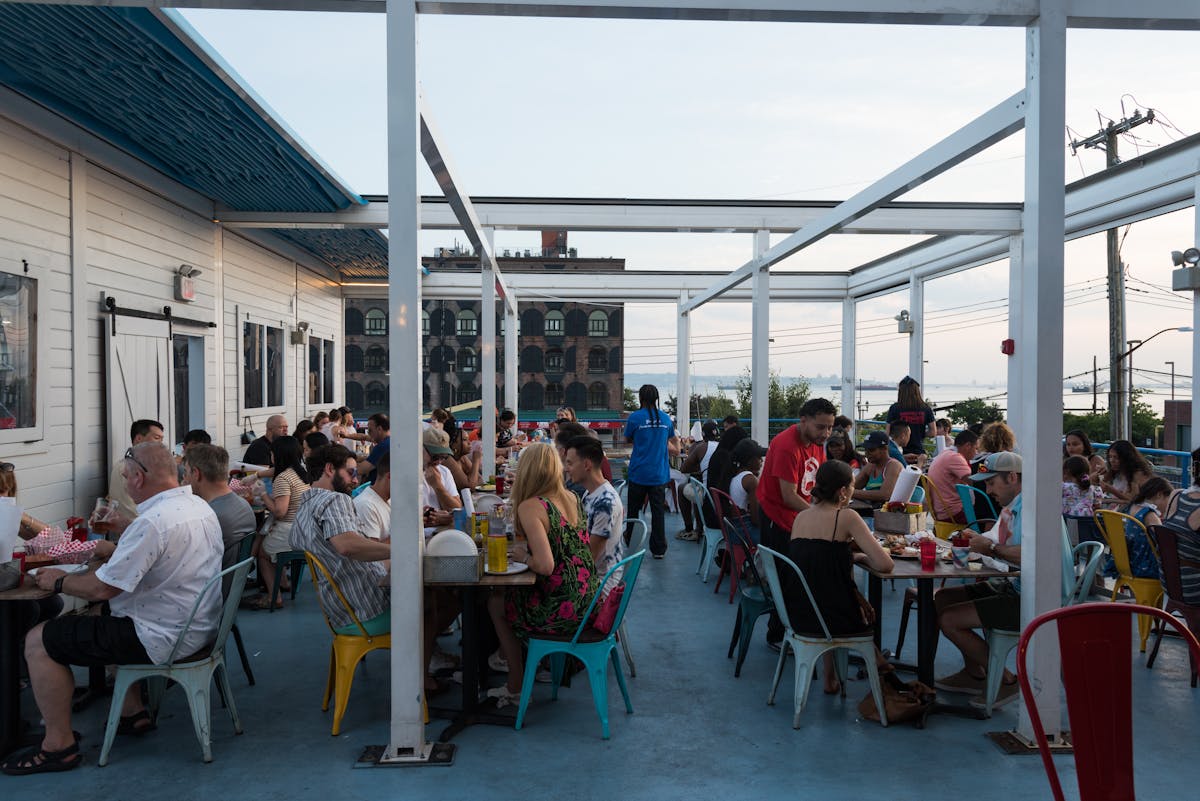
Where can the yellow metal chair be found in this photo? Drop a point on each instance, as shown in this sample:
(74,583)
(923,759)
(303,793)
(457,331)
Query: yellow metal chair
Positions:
(347,649)
(1146,591)
(942,529)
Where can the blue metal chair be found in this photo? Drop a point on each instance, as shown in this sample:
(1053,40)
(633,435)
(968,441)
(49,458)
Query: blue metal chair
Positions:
(195,675)
(713,537)
(967,495)
(589,646)
(753,602)
(809,647)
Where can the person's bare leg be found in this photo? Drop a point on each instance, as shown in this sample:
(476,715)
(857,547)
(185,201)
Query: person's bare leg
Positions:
(958,623)
(832,685)
(266,573)
(53,689)
(510,647)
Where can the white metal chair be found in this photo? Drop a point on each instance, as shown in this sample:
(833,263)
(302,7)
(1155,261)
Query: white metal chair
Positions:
(637,542)
(195,675)
(809,647)
(486,502)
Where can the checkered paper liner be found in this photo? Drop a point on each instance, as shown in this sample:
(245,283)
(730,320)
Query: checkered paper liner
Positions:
(50,538)
(72,552)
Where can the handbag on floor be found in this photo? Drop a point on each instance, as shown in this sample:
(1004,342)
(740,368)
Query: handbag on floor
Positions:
(902,700)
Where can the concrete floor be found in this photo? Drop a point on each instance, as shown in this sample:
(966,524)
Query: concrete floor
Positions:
(696,731)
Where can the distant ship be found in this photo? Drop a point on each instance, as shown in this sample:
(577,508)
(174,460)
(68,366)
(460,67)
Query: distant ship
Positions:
(873,387)
(1081,387)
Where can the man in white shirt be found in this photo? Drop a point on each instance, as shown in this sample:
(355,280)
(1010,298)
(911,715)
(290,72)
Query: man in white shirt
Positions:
(152,580)
(373,505)
(601,505)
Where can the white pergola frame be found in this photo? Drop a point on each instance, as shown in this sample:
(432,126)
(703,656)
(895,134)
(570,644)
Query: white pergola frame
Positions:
(1032,239)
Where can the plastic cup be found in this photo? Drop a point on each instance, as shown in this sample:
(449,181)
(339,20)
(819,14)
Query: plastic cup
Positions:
(500,485)
(960,554)
(928,554)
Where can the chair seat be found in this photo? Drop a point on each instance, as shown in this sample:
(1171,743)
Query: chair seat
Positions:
(589,635)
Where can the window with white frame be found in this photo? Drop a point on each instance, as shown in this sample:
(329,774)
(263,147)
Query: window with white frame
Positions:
(262,366)
(18,352)
(468,361)
(320,371)
(554,323)
(375,323)
(597,324)
(468,323)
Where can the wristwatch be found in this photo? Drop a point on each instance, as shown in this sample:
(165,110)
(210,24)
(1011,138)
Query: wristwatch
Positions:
(58,584)
(992,549)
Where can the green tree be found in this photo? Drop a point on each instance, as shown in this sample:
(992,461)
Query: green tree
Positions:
(1096,426)
(783,400)
(629,400)
(975,410)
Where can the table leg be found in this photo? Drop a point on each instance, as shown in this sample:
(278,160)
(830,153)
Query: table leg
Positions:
(10,683)
(927,632)
(875,598)
(474,665)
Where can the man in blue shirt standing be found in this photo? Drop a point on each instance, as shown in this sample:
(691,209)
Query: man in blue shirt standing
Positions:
(652,435)
(379,429)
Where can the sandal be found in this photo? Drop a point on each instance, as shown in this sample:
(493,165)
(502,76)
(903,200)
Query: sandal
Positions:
(136,724)
(36,760)
(263,602)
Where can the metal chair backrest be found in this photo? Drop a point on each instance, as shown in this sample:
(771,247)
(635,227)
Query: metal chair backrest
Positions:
(1092,553)
(735,535)
(1112,528)
(315,566)
(487,502)
(771,568)
(724,503)
(637,535)
(967,496)
(1095,642)
(706,499)
(229,608)
(1167,539)
(631,565)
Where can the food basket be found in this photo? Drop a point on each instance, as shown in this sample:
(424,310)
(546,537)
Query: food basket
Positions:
(900,522)
(452,556)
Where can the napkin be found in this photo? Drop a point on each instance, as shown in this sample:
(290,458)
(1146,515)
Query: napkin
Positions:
(10,525)
(995,564)
(468,504)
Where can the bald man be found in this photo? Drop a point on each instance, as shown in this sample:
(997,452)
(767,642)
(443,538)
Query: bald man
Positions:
(151,580)
(259,451)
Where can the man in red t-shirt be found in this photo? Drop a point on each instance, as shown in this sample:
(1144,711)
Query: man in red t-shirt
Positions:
(785,486)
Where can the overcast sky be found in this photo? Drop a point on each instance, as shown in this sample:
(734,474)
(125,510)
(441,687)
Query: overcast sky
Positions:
(611,108)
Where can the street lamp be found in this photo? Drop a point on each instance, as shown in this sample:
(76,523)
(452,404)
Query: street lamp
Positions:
(1172,379)
(1134,344)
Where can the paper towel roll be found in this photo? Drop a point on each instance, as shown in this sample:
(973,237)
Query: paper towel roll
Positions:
(468,504)
(10,525)
(905,483)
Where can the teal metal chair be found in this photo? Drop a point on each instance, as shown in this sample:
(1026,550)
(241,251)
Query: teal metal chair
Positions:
(968,495)
(293,562)
(244,549)
(589,646)
(1000,642)
(809,647)
(713,537)
(195,675)
(753,602)
(637,542)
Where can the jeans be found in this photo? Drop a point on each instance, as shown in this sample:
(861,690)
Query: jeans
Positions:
(638,493)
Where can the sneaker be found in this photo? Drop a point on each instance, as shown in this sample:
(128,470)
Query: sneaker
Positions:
(441,661)
(1007,692)
(504,697)
(543,677)
(961,682)
(498,663)
(658,555)
(688,536)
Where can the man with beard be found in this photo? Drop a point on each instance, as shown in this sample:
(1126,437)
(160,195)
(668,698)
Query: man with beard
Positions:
(327,526)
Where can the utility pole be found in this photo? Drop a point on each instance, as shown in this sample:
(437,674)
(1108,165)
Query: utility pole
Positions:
(1172,379)
(1118,390)
(1095,388)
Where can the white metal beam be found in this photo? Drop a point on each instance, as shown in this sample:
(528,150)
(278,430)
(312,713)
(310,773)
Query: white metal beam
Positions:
(760,344)
(683,369)
(916,340)
(849,340)
(655,215)
(1039,353)
(1120,14)
(1195,420)
(487,355)
(976,136)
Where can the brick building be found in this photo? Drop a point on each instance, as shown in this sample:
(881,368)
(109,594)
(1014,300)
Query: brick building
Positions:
(570,353)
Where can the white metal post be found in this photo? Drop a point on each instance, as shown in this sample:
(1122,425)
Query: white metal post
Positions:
(683,368)
(916,340)
(849,343)
(760,344)
(510,356)
(487,411)
(1016,269)
(406,738)
(1039,351)
(1195,421)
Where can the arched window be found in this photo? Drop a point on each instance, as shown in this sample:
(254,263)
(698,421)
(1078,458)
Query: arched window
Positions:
(576,323)
(354,322)
(554,394)
(597,324)
(614,360)
(531,323)
(377,395)
(597,396)
(468,324)
(554,360)
(375,323)
(354,359)
(597,360)
(575,395)
(555,322)
(531,359)
(425,396)
(614,324)
(500,324)
(530,397)
(468,361)
(354,395)
(441,359)
(467,393)
(377,358)
(424,322)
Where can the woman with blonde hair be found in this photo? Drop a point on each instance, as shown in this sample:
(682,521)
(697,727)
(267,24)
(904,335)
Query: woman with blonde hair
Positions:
(551,519)
(997,438)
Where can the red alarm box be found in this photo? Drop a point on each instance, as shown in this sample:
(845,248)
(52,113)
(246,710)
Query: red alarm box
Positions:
(1008,347)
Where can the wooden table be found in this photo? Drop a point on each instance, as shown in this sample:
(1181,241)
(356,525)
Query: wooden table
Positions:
(927,627)
(474,661)
(10,661)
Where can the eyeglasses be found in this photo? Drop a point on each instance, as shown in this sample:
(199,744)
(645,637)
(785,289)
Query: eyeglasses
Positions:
(129,455)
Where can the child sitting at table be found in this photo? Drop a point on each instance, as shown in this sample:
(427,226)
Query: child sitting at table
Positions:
(1080,497)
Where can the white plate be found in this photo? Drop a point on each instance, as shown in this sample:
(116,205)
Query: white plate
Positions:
(513,569)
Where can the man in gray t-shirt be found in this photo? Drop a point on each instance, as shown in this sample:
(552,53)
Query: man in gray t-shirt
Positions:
(206,469)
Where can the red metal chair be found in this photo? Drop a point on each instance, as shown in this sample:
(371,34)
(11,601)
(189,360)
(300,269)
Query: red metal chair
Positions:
(1096,641)
(735,554)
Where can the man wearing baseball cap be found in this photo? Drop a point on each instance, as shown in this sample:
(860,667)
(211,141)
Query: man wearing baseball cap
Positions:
(440,492)
(992,604)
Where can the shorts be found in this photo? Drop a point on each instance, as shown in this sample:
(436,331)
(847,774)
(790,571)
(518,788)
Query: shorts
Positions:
(997,603)
(278,539)
(93,641)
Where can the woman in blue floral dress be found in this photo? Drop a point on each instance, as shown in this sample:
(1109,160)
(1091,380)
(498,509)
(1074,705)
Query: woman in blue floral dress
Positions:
(551,519)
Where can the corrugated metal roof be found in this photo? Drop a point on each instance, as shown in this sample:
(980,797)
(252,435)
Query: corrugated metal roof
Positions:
(357,253)
(144,81)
